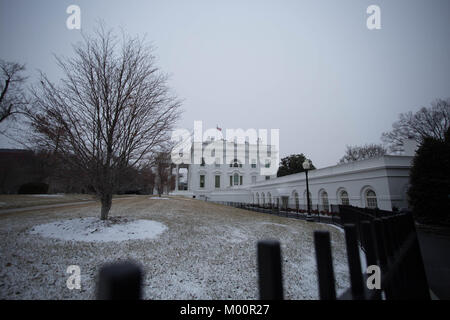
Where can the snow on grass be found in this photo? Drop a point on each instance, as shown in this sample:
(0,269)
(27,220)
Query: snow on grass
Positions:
(159,198)
(208,251)
(334,226)
(46,195)
(94,230)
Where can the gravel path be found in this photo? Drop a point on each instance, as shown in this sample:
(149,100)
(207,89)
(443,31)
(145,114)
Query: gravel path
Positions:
(207,252)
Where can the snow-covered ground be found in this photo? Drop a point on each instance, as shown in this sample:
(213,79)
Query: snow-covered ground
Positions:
(47,195)
(205,251)
(92,229)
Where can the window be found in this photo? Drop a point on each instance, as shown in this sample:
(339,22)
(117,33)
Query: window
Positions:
(203,162)
(269,198)
(253,179)
(267,164)
(217,162)
(324,198)
(371,199)
(202,181)
(267,177)
(213,152)
(236,179)
(217,181)
(344,198)
(253,163)
(231,181)
(241,178)
(263,199)
(236,164)
(297,202)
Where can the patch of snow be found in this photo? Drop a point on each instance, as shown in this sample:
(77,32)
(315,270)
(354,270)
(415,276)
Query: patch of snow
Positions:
(46,195)
(334,226)
(94,230)
(273,224)
(362,257)
(234,235)
(159,198)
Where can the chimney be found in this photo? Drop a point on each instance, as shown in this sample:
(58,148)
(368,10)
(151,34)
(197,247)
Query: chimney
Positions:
(409,147)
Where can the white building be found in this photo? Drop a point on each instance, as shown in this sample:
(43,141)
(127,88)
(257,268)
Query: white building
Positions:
(380,182)
(228,169)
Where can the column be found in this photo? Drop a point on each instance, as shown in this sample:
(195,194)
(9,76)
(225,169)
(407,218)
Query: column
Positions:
(176,178)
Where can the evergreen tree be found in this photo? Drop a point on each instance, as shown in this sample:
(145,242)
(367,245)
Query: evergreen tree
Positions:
(429,192)
(292,164)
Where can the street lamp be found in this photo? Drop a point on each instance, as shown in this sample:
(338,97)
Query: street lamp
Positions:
(307,165)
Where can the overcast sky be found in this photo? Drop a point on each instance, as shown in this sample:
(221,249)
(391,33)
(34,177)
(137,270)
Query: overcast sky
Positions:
(309,68)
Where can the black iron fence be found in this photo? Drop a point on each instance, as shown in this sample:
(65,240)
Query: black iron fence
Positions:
(390,244)
(389,240)
(319,213)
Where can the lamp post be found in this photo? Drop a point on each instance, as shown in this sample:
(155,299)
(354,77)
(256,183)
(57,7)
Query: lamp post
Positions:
(307,165)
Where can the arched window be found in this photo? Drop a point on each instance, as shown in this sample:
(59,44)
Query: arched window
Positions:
(343,195)
(236,164)
(257,198)
(269,198)
(297,202)
(236,179)
(324,199)
(263,199)
(371,199)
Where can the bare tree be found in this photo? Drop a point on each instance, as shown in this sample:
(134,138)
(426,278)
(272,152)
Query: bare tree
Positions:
(356,153)
(112,109)
(12,96)
(427,122)
(146,179)
(163,167)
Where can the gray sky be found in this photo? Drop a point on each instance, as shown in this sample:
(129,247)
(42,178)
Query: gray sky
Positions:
(309,68)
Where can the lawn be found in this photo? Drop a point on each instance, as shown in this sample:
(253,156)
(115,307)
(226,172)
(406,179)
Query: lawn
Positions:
(8,201)
(206,251)
(11,201)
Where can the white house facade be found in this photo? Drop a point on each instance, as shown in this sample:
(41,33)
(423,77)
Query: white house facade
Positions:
(379,182)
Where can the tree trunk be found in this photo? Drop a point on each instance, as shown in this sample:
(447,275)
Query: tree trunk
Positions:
(106,200)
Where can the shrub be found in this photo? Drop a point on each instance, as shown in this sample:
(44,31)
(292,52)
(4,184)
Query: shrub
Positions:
(33,188)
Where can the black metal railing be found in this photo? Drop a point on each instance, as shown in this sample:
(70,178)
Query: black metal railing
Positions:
(391,244)
(319,213)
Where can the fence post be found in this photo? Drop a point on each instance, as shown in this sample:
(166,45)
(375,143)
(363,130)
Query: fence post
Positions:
(369,243)
(391,251)
(327,290)
(269,270)
(420,282)
(354,262)
(119,281)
